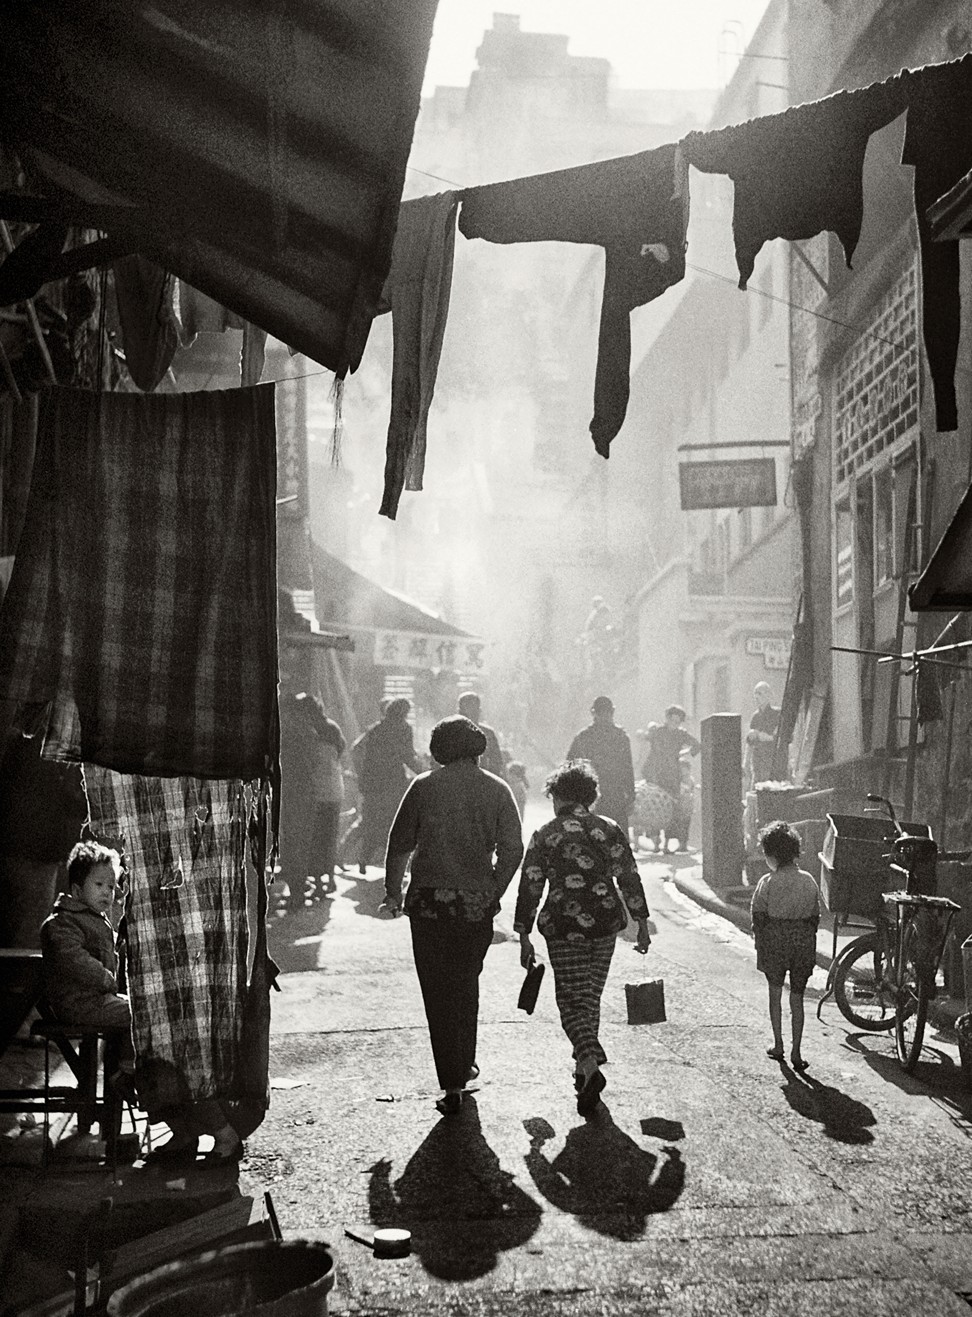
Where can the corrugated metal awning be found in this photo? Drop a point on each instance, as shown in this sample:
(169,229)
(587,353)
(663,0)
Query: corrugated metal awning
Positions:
(256,148)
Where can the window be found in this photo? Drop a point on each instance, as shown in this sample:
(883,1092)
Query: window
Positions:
(883,526)
(843,556)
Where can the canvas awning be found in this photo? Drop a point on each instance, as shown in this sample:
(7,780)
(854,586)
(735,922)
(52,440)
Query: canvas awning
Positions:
(951,215)
(346,600)
(946,582)
(254,148)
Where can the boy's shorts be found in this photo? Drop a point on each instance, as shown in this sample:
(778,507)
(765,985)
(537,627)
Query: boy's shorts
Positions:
(787,946)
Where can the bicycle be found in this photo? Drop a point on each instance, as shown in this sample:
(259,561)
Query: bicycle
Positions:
(887,978)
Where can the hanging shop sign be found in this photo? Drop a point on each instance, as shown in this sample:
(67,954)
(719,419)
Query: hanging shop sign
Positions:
(748,482)
(774,649)
(411,649)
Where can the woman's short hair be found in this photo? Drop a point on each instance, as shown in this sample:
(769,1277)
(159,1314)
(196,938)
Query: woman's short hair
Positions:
(456,738)
(87,855)
(575,781)
(676,709)
(779,841)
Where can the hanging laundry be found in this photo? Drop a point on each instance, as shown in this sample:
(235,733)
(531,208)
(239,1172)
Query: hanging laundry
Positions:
(938,143)
(199,314)
(187,940)
(799,172)
(417,294)
(149,328)
(624,205)
(140,619)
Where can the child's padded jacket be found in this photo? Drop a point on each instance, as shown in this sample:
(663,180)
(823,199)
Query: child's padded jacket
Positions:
(80,962)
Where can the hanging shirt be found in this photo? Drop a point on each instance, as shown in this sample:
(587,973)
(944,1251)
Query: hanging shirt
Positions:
(624,205)
(799,172)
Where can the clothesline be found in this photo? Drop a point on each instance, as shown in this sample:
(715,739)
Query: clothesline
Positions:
(733,279)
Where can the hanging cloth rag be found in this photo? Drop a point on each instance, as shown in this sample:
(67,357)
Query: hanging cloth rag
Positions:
(199,314)
(149,328)
(625,205)
(938,143)
(140,619)
(799,172)
(417,294)
(184,843)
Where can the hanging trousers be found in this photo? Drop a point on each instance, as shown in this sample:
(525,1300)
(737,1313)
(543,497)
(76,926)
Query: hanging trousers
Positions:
(449,955)
(580,971)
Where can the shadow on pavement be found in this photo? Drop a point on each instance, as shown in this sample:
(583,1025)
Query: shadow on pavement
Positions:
(843,1118)
(462,1208)
(936,1074)
(602,1177)
(294,935)
(365,891)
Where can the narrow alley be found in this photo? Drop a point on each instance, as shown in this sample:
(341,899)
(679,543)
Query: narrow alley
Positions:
(711,1179)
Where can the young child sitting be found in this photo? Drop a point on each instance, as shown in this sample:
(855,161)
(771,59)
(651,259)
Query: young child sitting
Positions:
(80,963)
(786,912)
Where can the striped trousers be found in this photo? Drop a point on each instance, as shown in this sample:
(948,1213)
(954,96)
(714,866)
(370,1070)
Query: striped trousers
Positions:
(580,971)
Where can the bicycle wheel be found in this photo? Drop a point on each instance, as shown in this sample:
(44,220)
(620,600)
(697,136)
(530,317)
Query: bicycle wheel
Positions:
(861,988)
(911,1009)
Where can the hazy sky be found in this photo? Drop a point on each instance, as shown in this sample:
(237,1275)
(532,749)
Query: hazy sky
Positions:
(650,43)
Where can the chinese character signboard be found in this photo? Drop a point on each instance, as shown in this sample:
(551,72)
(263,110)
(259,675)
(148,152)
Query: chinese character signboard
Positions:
(774,649)
(748,482)
(411,649)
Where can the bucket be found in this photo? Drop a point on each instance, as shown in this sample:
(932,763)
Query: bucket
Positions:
(646,1001)
(274,1278)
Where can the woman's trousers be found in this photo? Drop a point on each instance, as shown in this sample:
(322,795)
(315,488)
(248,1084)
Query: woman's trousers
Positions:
(449,955)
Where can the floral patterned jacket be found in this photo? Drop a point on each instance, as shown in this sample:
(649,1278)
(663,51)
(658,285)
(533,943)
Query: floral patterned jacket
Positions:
(578,855)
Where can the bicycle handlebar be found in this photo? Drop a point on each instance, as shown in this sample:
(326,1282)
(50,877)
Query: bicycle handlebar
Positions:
(883,800)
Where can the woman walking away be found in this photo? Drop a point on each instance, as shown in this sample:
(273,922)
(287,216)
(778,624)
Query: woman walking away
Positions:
(786,912)
(577,856)
(452,821)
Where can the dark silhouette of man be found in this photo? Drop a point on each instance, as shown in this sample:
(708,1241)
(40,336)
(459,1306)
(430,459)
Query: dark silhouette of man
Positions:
(608,750)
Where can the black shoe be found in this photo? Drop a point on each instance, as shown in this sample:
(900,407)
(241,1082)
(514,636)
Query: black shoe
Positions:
(590,1095)
(176,1150)
(449,1104)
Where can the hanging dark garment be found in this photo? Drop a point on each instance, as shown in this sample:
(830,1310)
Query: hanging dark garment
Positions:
(150,331)
(417,294)
(938,142)
(625,205)
(798,173)
(140,620)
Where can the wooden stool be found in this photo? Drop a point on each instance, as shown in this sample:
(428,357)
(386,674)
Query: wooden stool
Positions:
(82,1099)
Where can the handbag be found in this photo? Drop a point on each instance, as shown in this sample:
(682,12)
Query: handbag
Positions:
(646,1001)
(530,988)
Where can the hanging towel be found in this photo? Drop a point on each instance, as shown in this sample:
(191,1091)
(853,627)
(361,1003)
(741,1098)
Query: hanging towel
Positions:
(184,845)
(140,620)
(149,328)
(799,172)
(417,294)
(625,205)
(938,142)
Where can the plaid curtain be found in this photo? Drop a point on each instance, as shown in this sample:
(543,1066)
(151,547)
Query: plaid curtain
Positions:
(184,843)
(140,620)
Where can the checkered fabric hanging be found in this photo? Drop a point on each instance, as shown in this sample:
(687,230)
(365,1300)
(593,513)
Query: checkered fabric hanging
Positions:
(184,846)
(140,620)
